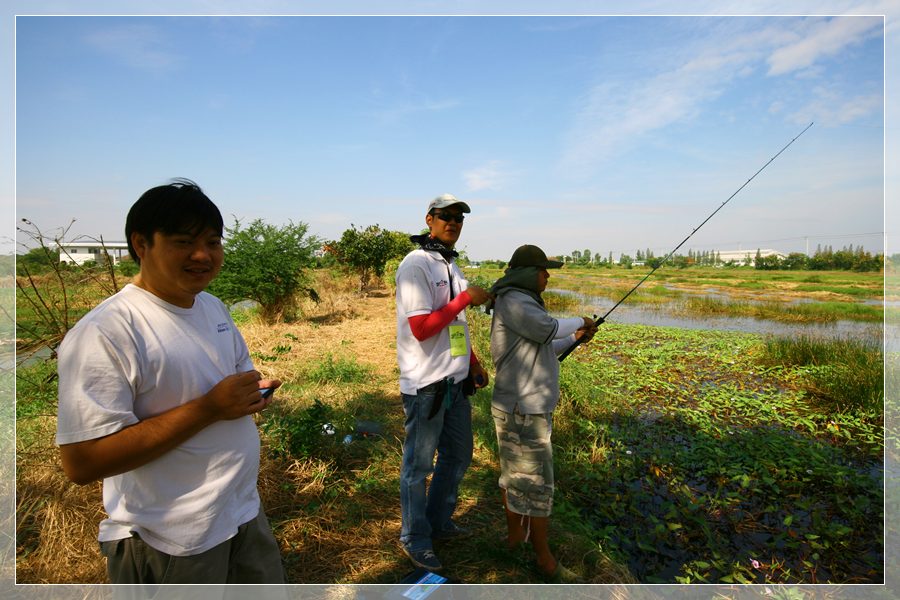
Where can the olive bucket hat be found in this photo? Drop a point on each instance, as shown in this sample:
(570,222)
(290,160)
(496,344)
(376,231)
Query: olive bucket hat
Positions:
(532,256)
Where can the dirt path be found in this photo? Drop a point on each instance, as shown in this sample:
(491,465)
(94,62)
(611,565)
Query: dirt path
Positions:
(363,328)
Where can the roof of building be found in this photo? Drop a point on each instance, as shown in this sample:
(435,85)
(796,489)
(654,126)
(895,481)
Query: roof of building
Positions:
(93,244)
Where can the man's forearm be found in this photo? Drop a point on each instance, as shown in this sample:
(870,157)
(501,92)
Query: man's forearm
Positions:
(425,326)
(135,445)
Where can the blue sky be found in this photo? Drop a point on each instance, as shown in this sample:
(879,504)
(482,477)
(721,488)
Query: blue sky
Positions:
(607,133)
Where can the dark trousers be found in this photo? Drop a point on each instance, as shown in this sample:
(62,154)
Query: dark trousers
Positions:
(251,556)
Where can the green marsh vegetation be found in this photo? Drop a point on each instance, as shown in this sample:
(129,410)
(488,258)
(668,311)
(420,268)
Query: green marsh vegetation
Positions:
(701,456)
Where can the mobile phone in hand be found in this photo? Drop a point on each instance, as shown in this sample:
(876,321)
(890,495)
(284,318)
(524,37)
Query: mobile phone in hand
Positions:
(266,392)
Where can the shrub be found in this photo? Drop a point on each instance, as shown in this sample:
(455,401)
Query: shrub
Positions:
(340,370)
(367,251)
(303,433)
(267,264)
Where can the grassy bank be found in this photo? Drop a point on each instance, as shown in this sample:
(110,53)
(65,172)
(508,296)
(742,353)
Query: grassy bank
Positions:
(682,456)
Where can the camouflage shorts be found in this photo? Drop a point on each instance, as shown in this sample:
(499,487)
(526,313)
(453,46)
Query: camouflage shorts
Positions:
(526,461)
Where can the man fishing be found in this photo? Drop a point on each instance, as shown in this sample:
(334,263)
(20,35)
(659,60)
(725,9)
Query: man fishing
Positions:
(525,342)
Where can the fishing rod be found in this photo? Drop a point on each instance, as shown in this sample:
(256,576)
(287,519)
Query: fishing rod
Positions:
(600,320)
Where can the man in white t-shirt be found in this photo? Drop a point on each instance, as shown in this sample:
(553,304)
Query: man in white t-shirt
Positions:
(436,359)
(156,397)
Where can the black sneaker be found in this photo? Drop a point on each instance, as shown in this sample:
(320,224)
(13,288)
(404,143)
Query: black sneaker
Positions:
(424,559)
(452,531)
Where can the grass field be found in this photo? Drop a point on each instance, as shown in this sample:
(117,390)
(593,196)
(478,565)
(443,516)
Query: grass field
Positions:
(681,457)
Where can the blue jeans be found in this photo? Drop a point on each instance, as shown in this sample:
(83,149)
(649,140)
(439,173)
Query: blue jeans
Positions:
(449,433)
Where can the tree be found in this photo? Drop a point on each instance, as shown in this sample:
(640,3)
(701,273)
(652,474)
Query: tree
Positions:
(267,264)
(37,261)
(367,251)
(767,263)
(795,261)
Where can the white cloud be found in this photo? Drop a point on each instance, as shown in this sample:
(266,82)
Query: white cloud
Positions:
(402,110)
(614,116)
(141,46)
(487,177)
(826,38)
(830,108)
(402,98)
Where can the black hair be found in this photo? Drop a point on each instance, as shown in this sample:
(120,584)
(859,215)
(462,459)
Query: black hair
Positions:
(177,207)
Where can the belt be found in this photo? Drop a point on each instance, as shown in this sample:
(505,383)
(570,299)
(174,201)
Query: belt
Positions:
(443,395)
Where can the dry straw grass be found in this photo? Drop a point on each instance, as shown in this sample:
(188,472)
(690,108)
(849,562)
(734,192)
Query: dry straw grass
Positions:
(336,516)
(56,524)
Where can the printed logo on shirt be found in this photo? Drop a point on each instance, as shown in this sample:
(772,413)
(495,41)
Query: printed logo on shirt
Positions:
(441,283)
(222,327)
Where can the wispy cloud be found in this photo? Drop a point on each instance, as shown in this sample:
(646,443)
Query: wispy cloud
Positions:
(612,116)
(141,45)
(832,108)
(490,176)
(398,112)
(402,96)
(824,39)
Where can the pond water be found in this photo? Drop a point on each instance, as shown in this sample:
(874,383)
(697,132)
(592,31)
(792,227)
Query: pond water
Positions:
(663,316)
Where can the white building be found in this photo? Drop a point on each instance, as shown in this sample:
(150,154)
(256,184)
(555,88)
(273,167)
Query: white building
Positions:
(741,257)
(78,253)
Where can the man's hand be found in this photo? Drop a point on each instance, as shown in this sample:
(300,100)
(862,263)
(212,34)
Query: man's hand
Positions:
(478,295)
(479,375)
(586,332)
(237,396)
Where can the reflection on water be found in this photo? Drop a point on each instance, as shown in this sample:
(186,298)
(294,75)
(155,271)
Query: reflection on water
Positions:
(658,315)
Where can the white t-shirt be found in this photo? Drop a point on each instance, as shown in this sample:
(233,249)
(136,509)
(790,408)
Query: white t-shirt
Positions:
(135,356)
(424,282)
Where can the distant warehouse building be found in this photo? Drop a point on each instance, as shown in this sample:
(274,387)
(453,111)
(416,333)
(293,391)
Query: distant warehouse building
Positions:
(78,253)
(748,257)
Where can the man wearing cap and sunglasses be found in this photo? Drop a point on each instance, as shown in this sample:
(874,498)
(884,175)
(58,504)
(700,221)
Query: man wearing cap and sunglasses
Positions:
(525,343)
(437,371)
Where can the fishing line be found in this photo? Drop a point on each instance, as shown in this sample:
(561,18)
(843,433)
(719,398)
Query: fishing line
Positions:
(600,320)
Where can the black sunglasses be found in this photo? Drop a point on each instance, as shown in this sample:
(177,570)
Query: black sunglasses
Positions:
(449,217)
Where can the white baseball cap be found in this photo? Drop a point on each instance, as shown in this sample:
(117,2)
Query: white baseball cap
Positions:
(445,200)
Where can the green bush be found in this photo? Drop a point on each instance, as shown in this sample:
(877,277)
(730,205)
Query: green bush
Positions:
(340,370)
(303,433)
(267,264)
(367,251)
(128,268)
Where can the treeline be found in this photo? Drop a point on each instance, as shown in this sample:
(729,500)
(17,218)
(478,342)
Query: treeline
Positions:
(825,259)
(849,258)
